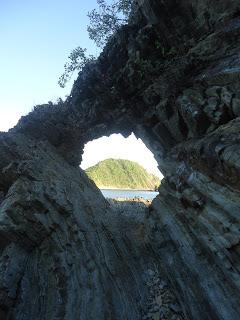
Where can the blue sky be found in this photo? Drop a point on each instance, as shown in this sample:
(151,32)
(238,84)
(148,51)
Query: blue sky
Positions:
(36,38)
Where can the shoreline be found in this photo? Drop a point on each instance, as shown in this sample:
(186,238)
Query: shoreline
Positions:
(119,200)
(125,189)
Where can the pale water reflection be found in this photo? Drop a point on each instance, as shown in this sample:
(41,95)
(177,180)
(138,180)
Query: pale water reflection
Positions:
(128,194)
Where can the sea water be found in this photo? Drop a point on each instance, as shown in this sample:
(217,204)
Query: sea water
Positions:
(128,194)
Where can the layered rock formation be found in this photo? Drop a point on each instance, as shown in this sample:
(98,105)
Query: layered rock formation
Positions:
(64,254)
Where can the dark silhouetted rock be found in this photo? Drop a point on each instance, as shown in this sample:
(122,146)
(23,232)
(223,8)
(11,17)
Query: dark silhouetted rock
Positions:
(172,76)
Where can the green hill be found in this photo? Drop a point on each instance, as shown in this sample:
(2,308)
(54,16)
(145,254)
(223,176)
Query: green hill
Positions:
(122,174)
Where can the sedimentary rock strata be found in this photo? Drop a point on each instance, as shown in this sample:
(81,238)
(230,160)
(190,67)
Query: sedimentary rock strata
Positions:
(64,254)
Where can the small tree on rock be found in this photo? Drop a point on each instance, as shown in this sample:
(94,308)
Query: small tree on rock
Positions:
(77,60)
(104,22)
(107,19)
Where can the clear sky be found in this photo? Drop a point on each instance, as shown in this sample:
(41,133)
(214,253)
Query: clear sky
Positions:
(36,39)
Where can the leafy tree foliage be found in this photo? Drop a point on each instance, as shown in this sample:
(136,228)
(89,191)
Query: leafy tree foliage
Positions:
(107,19)
(77,60)
(104,22)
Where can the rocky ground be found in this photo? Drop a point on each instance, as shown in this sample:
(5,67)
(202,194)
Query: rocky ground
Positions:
(121,202)
(161,303)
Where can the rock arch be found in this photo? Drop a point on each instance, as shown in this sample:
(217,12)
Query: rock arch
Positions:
(175,84)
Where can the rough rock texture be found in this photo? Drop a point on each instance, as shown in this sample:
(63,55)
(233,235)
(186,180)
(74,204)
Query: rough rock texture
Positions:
(64,254)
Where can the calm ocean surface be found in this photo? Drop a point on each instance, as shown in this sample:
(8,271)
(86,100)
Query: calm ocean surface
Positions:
(114,193)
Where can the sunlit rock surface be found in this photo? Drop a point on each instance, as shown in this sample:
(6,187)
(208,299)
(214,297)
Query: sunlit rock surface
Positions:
(172,77)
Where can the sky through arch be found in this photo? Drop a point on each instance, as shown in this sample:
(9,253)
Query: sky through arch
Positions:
(118,147)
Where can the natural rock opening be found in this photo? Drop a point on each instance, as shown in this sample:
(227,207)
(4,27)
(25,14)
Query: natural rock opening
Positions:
(122,165)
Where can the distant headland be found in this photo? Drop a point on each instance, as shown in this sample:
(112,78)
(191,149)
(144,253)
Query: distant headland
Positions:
(122,174)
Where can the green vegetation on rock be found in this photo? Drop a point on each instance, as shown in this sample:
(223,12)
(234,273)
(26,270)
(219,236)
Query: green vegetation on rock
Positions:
(122,174)
(104,23)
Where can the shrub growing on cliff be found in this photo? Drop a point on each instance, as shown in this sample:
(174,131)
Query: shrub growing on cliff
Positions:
(107,19)
(77,60)
(104,22)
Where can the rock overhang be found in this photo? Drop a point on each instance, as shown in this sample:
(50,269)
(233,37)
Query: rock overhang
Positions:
(176,85)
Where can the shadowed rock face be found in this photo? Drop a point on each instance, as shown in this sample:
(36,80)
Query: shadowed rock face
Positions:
(172,77)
